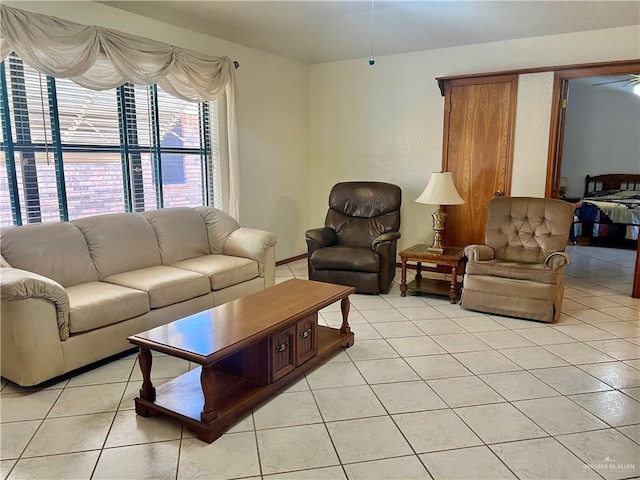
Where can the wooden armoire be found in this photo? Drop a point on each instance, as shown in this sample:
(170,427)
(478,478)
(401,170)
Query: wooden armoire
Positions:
(479,123)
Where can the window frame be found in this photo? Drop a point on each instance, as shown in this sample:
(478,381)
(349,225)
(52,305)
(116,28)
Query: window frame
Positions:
(130,150)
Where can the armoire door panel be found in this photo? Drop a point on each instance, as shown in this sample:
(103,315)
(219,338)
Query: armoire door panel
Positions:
(478,150)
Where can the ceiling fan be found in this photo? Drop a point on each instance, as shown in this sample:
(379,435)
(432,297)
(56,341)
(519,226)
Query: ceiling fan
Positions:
(633,79)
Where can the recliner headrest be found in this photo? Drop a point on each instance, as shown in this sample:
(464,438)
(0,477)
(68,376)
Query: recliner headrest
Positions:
(365,199)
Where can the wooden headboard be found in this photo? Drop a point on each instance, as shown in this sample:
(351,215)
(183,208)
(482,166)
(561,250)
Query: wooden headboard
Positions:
(612,181)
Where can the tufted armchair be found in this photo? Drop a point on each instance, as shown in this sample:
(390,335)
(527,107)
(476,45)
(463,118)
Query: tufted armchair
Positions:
(518,271)
(357,245)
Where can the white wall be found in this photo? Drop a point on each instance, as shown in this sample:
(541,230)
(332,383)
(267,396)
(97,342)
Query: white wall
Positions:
(602,135)
(531,143)
(273,117)
(384,122)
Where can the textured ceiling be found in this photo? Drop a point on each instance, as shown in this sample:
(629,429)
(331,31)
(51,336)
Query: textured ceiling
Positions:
(324,31)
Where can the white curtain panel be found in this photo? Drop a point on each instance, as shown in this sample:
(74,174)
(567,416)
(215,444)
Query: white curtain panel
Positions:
(101,58)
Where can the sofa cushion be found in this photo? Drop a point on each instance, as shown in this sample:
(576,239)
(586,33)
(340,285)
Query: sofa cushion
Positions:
(222,270)
(164,285)
(98,304)
(339,257)
(57,251)
(219,227)
(533,272)
(180,232)
(120,242)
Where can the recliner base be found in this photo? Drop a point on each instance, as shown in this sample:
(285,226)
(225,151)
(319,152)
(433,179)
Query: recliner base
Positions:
(364,282)
(542,302)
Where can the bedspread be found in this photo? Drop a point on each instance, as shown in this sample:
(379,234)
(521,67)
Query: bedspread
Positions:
(619,207)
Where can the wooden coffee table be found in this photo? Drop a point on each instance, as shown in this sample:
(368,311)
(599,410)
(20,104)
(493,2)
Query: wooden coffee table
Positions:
(248,349)
(452,257)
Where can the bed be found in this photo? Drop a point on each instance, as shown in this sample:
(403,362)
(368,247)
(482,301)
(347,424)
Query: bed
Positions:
(609,212)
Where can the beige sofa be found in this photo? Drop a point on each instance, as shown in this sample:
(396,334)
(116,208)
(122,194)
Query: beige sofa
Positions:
(72,292)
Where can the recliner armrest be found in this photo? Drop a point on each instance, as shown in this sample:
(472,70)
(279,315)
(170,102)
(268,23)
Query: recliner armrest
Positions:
(557,260)
(384,237)
(16,284)
(323,237)
(477,253)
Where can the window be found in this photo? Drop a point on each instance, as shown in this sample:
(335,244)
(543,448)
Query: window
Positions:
(69,152)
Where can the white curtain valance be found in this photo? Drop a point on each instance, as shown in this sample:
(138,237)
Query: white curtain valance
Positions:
(100,58)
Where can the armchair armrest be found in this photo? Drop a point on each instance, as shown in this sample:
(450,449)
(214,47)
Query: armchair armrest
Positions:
(384,237)
(318,238)
(16,284)
(322,237)
(477,253)
(557,260)
(250,243)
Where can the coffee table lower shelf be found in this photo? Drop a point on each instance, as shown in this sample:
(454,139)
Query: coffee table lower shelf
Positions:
(182,398)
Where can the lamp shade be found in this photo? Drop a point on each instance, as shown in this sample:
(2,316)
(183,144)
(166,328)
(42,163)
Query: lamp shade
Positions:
(440,191)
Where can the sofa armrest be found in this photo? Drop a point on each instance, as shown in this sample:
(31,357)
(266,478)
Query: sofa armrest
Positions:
(384,237)
(250,243)
(4,263)
(16,284)
(477,253)
(557,260)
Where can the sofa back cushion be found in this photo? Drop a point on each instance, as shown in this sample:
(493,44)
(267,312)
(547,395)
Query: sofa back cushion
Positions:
(180,232)
(57,251)
(219,227)
(120,242)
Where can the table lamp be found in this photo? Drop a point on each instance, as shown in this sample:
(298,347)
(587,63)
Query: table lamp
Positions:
(439,191)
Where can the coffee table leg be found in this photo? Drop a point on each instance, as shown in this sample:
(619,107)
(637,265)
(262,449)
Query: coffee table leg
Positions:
(148,391)
(453,293)
(207,380)
(345,305)
(419,270)
(403,279)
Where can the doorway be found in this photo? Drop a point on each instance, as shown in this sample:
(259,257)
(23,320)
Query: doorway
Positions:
(558,118)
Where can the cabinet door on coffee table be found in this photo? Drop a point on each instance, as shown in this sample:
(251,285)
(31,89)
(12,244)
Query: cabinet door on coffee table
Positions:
(306,338)
(282,350)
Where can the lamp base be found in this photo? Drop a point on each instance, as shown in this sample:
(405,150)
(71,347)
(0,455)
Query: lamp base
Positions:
(438,227)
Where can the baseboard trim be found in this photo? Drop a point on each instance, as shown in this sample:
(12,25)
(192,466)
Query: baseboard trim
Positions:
(291,259)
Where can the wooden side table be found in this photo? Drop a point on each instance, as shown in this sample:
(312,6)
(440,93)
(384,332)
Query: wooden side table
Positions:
(452,257)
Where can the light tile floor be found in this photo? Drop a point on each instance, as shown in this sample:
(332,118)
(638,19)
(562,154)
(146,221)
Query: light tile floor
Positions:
(428,391)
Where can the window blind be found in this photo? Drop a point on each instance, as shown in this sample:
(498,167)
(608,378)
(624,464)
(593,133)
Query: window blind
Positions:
(69,152)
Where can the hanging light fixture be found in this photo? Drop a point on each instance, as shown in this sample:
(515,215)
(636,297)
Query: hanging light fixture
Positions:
(371,59)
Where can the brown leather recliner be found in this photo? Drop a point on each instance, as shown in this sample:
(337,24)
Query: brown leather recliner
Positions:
(519,270)
(357,246)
